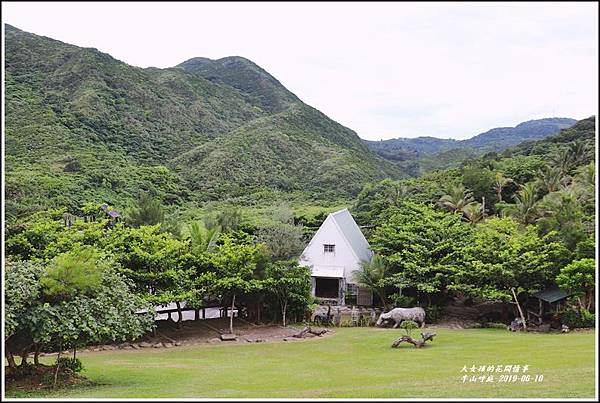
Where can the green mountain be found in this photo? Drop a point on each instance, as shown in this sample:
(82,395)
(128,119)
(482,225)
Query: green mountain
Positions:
(82,127)
(583,131)
(421,154)
(256,85)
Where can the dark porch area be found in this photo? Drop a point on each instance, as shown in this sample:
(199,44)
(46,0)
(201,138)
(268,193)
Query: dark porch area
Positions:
(327,287)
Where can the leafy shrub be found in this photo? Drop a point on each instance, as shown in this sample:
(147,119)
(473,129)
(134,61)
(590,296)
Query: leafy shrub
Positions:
(588,319)
(72,166)
(408,326)
(364,321)
(346,323)
(403,301)
(74,364)
(580,318)
(433,313)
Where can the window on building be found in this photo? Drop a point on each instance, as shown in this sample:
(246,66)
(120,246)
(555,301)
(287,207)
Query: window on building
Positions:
(351,289)
(328,248)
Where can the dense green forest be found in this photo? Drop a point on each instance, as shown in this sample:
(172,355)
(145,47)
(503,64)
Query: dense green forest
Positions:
(521,220)
(535,203)
(83,127)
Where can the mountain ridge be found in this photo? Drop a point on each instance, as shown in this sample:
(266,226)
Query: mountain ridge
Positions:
(505,130)
(82,126)
(420,154)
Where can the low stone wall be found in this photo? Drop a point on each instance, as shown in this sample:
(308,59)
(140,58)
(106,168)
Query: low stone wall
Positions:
(346,314)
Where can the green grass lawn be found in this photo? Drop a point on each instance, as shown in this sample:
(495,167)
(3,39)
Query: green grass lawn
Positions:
(354,362)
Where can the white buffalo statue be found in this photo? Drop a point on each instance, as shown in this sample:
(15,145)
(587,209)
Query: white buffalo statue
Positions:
(399,314)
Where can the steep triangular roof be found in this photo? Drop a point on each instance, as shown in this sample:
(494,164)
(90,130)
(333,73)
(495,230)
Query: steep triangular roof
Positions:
(352,233)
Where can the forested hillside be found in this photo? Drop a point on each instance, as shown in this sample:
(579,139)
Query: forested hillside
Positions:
(565,152)
(82,127)
(502,226)
(522,220)
(424,154)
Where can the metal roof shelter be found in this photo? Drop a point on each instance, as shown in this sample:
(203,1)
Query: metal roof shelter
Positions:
(552,295)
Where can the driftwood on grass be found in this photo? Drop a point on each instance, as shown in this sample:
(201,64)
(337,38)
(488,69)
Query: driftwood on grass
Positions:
(417,343)
(308,329)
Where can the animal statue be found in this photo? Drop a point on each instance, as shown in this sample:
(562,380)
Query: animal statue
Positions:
(322,318)
(397,315)
(516,325)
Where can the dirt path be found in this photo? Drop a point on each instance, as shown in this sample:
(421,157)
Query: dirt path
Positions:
(205,332)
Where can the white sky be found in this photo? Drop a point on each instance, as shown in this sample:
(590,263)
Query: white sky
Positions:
(383,69)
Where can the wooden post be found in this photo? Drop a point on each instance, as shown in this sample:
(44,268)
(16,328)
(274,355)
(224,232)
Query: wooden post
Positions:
(203,313)
(519,308)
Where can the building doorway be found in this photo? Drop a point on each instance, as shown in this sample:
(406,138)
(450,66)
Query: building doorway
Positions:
(327,287)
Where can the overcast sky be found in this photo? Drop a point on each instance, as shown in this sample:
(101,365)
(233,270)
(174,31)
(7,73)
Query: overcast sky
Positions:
(383,69)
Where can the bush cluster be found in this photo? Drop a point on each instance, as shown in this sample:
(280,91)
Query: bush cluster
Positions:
(578,318)
(74,364)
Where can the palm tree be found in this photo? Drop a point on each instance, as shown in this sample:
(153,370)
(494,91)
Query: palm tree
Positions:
(473,212)
(525,210)
(500,182)
(580,152)
(397,191)
(586,175)
(564,160)
(550,178)
(457,198)
(372,275)
(203,238)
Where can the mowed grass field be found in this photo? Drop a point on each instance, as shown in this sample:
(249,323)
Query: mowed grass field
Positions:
(353,362)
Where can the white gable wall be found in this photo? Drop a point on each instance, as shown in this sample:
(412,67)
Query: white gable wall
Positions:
(330,233)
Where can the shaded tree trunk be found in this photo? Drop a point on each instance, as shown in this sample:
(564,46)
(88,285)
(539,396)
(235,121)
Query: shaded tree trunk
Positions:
(179,313)
(231,317)
(36,355)
(381,294)
(11,359)
(24,355)
(57,366)
(580,303)
(283,311)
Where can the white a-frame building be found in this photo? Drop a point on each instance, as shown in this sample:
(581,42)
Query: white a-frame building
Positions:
(333,254)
